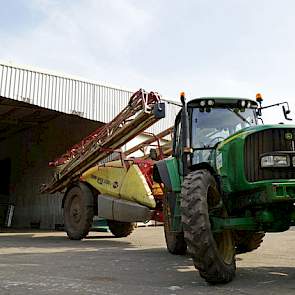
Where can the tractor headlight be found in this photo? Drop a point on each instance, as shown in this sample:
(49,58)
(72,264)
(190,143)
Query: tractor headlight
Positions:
(275,161)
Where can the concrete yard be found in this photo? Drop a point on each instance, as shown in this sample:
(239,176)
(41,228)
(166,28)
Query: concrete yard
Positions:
(48,263)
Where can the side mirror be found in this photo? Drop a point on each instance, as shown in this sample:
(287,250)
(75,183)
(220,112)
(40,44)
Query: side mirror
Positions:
(286,113)
(285,106)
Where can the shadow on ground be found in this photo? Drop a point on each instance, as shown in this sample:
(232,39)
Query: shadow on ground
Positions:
(121,266)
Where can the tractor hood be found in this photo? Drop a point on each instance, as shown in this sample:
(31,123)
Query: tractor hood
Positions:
(238,157)
(243,133)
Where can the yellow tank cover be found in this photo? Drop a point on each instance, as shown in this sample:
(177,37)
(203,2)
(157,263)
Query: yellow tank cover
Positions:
(116,180)
(135,188)
(107,178)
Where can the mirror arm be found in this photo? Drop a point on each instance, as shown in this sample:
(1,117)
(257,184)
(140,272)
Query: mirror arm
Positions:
(274,105)
(285,106)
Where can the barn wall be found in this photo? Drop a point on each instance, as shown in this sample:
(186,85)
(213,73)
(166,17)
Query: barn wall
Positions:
(70,95)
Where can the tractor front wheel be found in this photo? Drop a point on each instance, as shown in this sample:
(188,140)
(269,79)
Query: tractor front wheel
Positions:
(213,253)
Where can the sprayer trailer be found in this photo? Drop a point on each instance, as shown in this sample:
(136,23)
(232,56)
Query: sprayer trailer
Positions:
(120,191)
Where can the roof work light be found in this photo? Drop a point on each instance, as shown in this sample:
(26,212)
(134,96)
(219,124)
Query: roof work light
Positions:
(259,97)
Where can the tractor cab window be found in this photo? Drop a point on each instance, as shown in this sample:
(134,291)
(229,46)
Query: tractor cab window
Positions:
(177,137)
(209,128)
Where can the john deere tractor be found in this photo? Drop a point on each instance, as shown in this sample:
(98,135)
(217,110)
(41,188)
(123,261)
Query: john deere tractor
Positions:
(230,181)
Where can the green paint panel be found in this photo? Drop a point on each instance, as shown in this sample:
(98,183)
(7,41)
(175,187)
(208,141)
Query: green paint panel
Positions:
(173,171)
(243,223)
(176,224)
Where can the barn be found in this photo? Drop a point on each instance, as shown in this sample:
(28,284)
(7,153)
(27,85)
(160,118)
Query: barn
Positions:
(42,114)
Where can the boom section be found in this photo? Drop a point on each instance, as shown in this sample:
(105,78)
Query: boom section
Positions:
(143,110)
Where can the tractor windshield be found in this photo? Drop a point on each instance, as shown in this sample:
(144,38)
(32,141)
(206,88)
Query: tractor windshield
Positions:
(209,128)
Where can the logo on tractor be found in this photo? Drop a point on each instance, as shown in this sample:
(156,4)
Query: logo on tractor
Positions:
(288,136)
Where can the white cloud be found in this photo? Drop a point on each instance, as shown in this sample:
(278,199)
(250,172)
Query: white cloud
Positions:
(230,48)
(80,38)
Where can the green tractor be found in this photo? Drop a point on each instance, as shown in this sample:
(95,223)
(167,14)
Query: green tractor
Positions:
(228,182)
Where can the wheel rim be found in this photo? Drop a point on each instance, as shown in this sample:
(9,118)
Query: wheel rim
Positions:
(225,247)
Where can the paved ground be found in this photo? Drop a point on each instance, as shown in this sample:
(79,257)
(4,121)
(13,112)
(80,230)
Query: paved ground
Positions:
(49,263)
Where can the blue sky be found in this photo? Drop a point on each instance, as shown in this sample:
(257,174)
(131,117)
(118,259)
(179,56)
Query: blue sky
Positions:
(207,48)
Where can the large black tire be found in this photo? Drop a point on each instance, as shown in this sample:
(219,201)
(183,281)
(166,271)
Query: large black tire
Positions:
(121,229)
(213,254)
(174,241)
(247,241)
(78,211)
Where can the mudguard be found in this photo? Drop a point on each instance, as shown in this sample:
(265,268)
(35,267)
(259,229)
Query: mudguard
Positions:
(161,174)
(166,171)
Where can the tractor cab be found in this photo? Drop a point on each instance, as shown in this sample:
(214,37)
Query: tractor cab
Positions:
(211,120)
(214,120)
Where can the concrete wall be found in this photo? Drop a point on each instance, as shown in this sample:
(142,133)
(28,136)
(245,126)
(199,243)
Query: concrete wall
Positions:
(30,151)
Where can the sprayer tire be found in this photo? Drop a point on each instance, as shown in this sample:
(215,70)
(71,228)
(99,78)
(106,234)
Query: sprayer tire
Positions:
(78,211)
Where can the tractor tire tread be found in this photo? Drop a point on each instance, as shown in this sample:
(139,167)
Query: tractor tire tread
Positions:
(197,230)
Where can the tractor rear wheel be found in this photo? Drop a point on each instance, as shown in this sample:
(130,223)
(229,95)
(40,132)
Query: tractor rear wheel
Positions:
(174,240)
(248,241)
(78,211)
(121,229)
(213,253)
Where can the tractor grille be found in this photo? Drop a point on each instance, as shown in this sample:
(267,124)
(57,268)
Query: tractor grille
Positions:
(270,140)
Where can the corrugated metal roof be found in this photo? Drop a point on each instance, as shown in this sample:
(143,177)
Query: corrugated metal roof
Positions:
(70,95)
